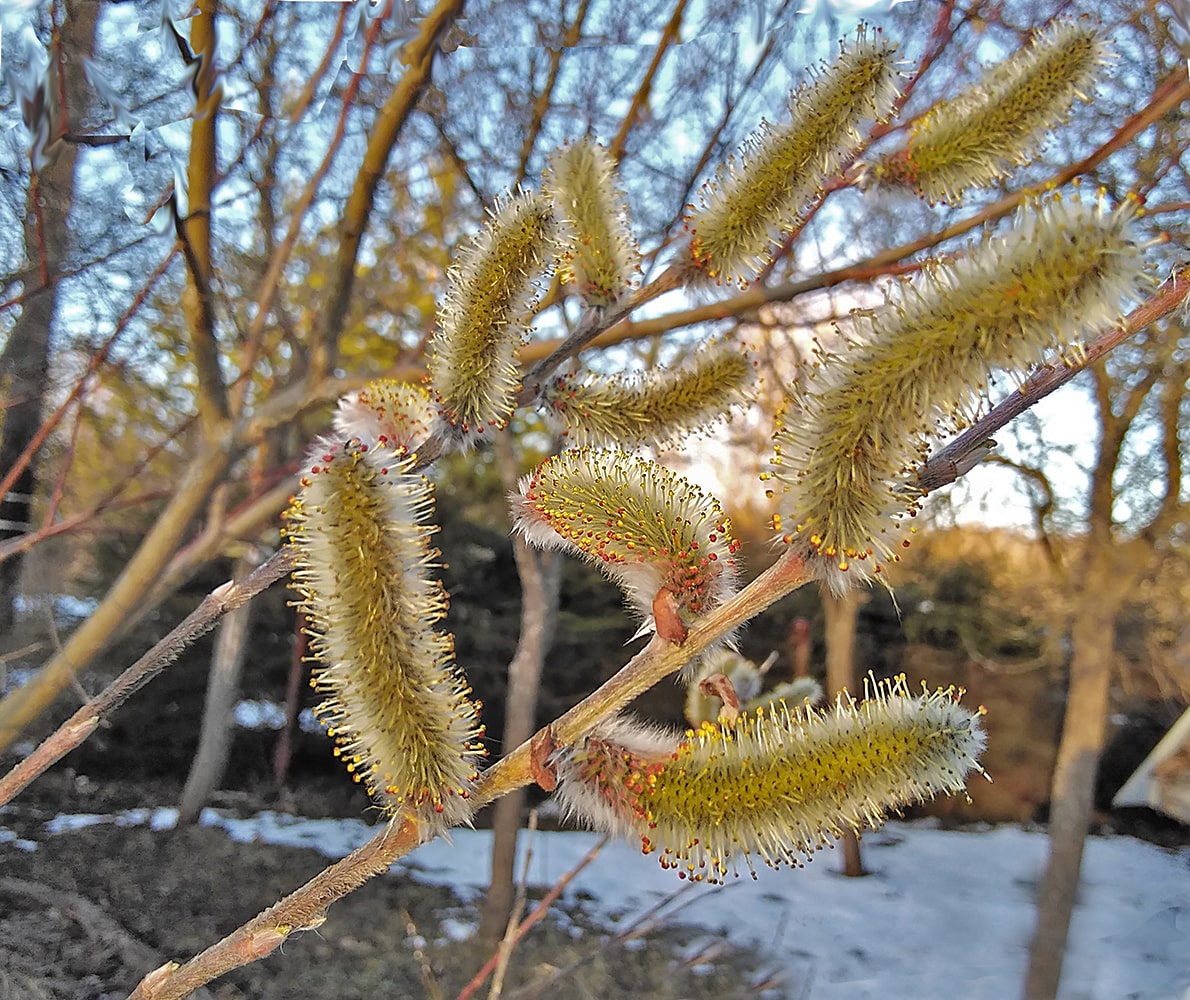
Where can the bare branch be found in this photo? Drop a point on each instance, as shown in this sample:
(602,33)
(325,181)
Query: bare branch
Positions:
(85,721)
(947,464)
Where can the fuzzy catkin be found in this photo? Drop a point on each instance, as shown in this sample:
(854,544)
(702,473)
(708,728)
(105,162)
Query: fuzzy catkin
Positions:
(599,253)
(781,170)
(773,786)
(395,702)
(643,526)
(657,409)
(485,313)
(387,413)
(863,419)
(983,134)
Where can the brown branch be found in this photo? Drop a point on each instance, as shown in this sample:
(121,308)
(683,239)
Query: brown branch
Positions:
(544,100)
(591,327)
(93,362)
(957,457)
(419,58)
(30,289)
(307,905)
(194,229)
(208,470)
(640,99)
(84,722)
(271,280)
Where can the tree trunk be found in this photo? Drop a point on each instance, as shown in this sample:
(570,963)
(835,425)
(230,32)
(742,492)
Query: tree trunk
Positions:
(1083,730)
(283,752)
(842,614)
(540,575)
(223,688)
(24,365)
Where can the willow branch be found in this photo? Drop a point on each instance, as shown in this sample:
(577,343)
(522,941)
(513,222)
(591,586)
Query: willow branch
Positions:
(390,119)
(544,100)
(96,359)
(21,706)
(194,229)
(640,99)
(521,929)
(966,450)
(307,906)
(1169,94)
(280,257)
(85,721)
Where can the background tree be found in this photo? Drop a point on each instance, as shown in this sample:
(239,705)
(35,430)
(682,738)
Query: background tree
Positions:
(55,110)
(278,326)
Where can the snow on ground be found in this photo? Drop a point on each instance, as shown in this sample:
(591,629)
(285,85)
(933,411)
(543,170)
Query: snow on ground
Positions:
(944,915)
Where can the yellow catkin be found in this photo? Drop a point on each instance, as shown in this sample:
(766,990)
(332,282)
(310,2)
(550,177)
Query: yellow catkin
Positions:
(395,703)
(387,413)
(485,313)
(656,409)
(864,418)
(781,170)
(999,124)
(599,253)
(775,785)
(642,525)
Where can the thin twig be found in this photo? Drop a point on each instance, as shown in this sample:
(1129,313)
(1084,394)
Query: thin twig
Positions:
(200,621)
(428,979)
(504,951)
(966,450)
(539,911)
(639,927)
(640,100)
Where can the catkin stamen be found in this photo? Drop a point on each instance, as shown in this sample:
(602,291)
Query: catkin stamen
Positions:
(863,418)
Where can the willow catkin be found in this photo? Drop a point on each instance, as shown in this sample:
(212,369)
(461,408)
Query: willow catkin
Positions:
(863,419)
(643,526)
(387,413)
(998,124)
(781,169)
(598,253)
(484,316)
(772,786)
(658,408)
(395,703)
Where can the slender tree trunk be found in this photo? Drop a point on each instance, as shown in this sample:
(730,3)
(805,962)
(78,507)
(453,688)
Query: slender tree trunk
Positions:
(1083,731)
(24,364)
(283,752)
(223,688)
(540,575)
(842,614)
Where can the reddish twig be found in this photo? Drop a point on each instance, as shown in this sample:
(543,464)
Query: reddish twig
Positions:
(97,358)
(526,925)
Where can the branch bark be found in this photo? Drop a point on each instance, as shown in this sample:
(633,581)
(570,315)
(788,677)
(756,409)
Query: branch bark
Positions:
(419,57)
(307,905)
